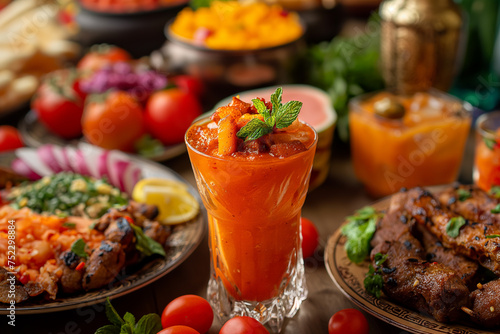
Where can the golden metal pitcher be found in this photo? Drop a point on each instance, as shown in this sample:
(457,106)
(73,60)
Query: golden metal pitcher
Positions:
(420,44)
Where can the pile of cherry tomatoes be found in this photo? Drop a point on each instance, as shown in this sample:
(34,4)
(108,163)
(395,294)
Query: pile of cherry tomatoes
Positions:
(115,101)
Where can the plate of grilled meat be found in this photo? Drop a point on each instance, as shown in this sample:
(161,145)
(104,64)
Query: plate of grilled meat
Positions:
(77,235)
(432,259)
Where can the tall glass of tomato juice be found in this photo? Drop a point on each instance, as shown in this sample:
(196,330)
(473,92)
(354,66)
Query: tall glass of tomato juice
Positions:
(486,172)
(254,206)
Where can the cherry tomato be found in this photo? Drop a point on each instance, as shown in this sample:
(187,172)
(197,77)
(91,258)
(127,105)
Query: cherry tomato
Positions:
(348,321)
(10,139)
(188,310)
(243,325)
(310,237)
(102,55)
(59,102)
(179,329)
(189,84)
(169,113)
(113,121)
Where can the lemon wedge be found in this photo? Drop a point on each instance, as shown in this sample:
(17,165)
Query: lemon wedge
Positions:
(175,204)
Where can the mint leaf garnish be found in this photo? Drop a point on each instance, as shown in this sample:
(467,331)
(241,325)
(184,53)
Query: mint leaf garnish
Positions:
(496,209)
(78,247)
(280,116)
(454,225)
(463,194)
(112,315)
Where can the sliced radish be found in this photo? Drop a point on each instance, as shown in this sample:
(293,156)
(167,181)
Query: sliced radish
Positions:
(102,164)
(21,168)
(91,155)
(46,155)
(30,157)
(117,163)
(131,176)
(61,158)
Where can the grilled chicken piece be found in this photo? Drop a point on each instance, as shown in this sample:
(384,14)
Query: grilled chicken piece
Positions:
(71,279)
(476,240)
(466,269)
(120,231)
(470,202)
(157,231)
(139,212)
(486,304)
(103,265)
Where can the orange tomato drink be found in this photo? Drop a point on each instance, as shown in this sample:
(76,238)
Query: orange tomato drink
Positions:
(486,172)
(407,141)
(252,171)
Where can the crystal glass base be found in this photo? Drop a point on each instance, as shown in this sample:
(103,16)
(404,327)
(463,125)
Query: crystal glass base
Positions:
(271,312)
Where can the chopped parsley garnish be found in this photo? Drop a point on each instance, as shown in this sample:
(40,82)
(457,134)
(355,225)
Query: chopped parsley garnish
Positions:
(373,280)
(281,116)
(496,209)
(463,194)
(454,225)
(495,191)
(491,236)
(359,232)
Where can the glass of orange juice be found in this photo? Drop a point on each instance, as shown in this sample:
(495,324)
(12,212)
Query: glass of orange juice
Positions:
(407,141)
(254,198)
(486,172)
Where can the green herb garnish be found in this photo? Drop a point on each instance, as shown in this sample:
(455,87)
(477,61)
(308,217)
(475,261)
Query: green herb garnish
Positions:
(148,324)
(145,244)
(359,231)
(454,225)
(69,225)
(496,209)
(281,116)
(495,191)
(373,280)
(78,247)
(491,236)
(463,194)
(490,143)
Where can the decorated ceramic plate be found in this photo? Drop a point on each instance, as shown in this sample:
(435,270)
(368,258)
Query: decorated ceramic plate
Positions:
(349,278)
(36,134)
(181,243)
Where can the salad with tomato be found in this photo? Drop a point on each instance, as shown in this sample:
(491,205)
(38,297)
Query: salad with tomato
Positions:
(116,102)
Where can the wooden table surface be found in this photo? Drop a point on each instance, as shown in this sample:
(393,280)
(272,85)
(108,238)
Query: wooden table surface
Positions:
(327,206)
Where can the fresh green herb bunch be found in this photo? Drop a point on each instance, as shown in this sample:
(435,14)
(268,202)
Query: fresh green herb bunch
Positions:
(148,324)
(281,116)
(346,67)
(373,280)
(66,193)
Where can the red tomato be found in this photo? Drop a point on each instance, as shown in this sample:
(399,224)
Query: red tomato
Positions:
(348,321)
(169,113)
(188,310)
(178,330)
(243,325)
(101,55)
(310,237)
(10,138)
(189,84)
(113,121)
(59,102)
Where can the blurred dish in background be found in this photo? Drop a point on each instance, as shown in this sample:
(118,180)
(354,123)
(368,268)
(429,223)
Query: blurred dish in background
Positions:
(226,72)
(316,111)
(33,42)
(407,141)
(128,6)
(138,31)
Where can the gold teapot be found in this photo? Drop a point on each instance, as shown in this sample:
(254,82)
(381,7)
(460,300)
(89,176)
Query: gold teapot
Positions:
(421,42)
